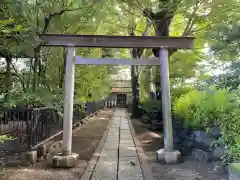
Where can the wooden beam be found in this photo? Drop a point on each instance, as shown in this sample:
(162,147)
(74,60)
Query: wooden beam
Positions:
(116,41)
(117,62)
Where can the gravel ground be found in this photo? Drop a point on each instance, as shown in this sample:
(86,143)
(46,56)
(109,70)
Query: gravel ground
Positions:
(188,170)
(85,141)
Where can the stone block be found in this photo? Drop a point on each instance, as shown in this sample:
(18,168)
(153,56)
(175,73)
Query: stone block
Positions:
(31,156)
(215,132)
(234,171)
(219,168)
(60,161)
(172,157)
(200,155)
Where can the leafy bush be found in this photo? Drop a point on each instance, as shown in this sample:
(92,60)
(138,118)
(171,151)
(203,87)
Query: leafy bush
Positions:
(151,106)
(5,138)
(42,97)
(179,91)
(203,109)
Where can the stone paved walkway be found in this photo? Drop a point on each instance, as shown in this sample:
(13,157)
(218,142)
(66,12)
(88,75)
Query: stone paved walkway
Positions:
(117,158)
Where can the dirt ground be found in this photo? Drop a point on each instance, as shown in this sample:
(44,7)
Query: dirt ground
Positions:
(188,170)
(84,142)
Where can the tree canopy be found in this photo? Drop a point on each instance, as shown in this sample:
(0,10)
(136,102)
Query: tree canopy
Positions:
(28,70)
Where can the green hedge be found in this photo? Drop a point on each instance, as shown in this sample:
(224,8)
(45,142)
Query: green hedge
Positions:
(203,109)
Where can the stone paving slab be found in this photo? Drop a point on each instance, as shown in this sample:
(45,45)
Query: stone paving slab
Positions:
(118,159)
(86,175)
(127,142)
(127,151)
(125,137)
(109,152)
(127,164)
(112,139)
(125,131)
(111,146)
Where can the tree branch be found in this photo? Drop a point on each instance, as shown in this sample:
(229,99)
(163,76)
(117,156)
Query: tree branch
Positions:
(192,21)
(48,17)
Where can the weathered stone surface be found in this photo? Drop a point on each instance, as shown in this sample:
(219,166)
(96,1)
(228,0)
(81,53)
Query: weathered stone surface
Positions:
(126,137)
(215,132)
(130,176)
(104,175)
(112,139)
(127,164)
(202,138)
(200,155)
(234,171)
(127,151)
(60,161)
(109,146)
(172,157)
(127,142)
(218,152)
(31,156)
(109,153)
(219,168)
(125,131)
(86,175)
(110,164)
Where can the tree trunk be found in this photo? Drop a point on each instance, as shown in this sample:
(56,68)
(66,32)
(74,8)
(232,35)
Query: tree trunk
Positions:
(151,88)
(135,92)
(8,77)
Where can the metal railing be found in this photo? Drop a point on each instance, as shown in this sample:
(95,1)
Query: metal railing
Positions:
(29,126)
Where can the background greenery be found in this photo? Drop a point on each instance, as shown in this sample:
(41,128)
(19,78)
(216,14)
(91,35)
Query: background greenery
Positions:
(33,76)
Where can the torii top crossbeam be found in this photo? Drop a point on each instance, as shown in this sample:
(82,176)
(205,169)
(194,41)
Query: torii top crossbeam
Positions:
(98,41)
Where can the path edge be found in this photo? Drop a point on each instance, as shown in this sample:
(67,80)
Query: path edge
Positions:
(147,174)
(93,161)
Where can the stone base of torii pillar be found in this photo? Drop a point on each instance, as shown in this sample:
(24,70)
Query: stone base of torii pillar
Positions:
(168,154)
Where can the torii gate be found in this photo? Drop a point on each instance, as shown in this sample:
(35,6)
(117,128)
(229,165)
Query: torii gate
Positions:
(168,154)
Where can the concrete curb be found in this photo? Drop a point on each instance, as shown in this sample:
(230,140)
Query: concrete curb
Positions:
(147,174)
(93,161)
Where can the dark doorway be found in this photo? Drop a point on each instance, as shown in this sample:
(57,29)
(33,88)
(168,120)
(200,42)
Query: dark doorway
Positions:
(121,100)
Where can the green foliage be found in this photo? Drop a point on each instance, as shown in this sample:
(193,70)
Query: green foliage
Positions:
(5,138)
(151,106)
(143,90)
(203,109)
(177,92)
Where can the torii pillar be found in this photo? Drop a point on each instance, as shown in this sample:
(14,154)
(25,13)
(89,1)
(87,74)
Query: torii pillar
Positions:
(167,155)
